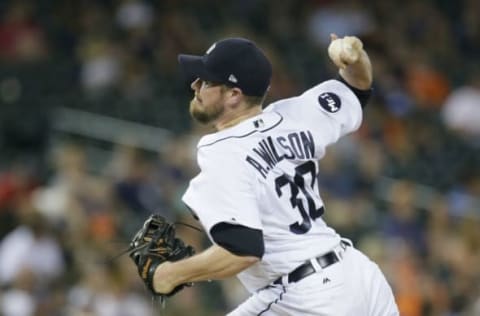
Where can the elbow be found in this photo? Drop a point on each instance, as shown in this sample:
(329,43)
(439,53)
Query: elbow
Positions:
(251,260)
(248,261)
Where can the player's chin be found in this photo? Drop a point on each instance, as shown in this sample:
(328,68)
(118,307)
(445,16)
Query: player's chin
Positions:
(196,105)
(198,114)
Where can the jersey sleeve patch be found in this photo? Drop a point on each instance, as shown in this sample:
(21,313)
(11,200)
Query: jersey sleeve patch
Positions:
(330,102)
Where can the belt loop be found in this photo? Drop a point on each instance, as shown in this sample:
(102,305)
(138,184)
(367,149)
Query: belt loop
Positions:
(316,266)
(285,279)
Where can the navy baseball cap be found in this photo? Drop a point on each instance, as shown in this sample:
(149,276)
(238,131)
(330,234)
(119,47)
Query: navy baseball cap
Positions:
(236,62)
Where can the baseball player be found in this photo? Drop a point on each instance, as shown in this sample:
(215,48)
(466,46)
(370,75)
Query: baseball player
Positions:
(257,195)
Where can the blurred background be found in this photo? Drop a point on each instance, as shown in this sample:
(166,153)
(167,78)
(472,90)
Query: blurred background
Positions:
(95,135)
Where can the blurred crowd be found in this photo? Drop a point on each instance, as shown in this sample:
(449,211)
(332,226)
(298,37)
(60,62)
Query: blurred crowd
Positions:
(405,188)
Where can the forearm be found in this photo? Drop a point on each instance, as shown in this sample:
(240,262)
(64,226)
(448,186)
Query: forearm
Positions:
(354,65)
(358,74)
(213,263)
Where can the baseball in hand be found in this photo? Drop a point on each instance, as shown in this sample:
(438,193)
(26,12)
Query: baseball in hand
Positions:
(344,51)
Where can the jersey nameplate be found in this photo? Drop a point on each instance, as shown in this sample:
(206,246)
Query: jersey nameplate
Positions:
(330,102)
(271,150)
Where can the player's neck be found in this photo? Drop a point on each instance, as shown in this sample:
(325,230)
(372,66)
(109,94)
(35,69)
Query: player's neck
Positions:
(237,117)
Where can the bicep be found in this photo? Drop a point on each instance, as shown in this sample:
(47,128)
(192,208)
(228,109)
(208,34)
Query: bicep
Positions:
(238,239)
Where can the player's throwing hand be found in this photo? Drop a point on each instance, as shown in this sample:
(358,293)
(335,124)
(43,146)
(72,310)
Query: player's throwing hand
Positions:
(344,51)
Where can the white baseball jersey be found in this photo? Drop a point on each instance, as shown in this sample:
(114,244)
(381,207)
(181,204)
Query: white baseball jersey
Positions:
(262,173)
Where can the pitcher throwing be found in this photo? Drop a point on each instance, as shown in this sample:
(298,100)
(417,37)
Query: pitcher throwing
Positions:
(257,195)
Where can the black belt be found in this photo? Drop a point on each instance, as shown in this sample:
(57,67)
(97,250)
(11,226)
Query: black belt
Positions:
(307,269)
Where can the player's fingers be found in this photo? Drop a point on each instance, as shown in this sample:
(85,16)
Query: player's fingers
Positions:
(348,54)
(335,50)
(339,62)
(349,60)
(351,48)
(354,41)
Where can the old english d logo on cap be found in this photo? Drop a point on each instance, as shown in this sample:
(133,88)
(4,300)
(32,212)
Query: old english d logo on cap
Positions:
(235,62)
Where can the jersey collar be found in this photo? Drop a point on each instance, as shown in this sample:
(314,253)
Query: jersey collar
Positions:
(259,123)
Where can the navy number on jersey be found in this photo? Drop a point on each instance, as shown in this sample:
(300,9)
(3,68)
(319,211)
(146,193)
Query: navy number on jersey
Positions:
(300,197)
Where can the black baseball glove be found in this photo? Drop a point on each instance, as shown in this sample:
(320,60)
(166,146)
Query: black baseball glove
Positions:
(154,244)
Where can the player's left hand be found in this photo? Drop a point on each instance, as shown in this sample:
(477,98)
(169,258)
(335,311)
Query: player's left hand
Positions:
(154,245)
(344,51)
(162,282)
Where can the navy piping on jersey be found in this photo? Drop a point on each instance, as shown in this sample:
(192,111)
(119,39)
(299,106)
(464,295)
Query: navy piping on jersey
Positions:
(274,302)
(245,135)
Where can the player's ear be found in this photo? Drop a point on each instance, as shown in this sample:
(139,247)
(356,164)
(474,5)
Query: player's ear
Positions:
(234,96)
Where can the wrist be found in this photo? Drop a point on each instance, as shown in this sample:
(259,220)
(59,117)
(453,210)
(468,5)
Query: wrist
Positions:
(360,83)
(163,279)
(358,74)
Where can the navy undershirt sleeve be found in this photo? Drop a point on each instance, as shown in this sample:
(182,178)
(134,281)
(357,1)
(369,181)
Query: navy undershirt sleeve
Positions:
(362,95)
(239,240)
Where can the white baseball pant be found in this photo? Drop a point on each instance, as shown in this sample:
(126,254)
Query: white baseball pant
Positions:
(354,286)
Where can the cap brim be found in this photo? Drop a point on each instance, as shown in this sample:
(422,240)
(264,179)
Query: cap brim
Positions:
(193,67)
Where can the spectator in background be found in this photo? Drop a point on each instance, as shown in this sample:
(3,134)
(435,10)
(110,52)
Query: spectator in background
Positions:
(134,184)
(16,186)
(461,110)
(346,17)
(76,200)
(428,86)
(134,15)
(99,54)
(21,38)
(135,19)
(19,299)
(101,66)
(33,248)
(403,220)
(31,263)
(468,25)
(106,290)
